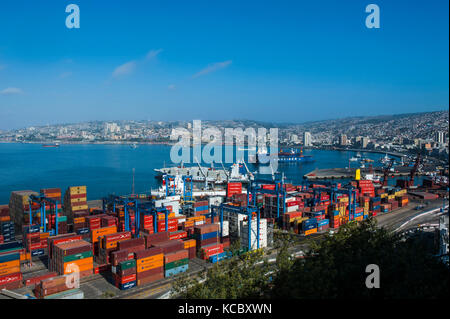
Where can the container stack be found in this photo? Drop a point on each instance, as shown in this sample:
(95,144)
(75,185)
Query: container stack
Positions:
(32,240)
(80,226)
(75,201)
(402,200)
(374,205)
(149,265)
(309,226)
(74,256)
(190,246)
(254,233)
(323,225)
(201,207)
(7,231)
(124,274)
(57,288)
(146,222)
(108,244)
(19,207)
(176,262)
(366,188)
(10,275)
(179,234)
(359,214)
(155,238)
(55,240)
(334,219)
(172,223)
(33,279)
(99,232)
(206,235)
(4,214)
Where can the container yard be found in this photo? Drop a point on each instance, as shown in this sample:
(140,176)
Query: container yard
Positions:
(133,242)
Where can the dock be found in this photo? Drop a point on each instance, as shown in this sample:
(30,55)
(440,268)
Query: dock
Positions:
(345,173)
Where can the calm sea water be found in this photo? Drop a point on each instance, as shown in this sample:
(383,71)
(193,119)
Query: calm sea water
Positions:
(107,169)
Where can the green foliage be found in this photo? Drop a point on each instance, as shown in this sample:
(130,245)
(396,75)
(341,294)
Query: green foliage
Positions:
(238,277)
(335,267)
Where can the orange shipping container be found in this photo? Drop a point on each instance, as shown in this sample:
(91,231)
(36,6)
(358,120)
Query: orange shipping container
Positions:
(79,220)
(8,271)
(10,264)
(96,233)
(148,266)
(151,259)
(80,262)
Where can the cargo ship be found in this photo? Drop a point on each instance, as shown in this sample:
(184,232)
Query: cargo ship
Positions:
(238,172)
(50,145)
(290,156)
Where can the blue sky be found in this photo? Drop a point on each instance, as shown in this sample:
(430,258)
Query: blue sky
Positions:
(284,61)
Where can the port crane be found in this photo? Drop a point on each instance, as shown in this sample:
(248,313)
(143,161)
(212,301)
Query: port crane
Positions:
(386,172)
(414,171)
(43,201)
(248,210)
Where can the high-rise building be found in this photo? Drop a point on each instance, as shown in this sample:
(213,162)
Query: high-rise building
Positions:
(294,138)
(343,140)
(440,137)
(364,141)
(307,140)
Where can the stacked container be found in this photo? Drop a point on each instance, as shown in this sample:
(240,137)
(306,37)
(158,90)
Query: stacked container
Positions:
(74,256)
(19,207)
(125,274)
(149,265)
(176,262)
(190,246)
(75,201)
(201,207)
(309,226)
(7,231)
(57,288)
(10,275)
(206,234)
(108,244)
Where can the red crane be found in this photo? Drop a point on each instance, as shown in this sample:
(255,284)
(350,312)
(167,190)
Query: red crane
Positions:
(414,170)
(386,172)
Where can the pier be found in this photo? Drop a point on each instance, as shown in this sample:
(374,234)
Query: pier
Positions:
(345,173)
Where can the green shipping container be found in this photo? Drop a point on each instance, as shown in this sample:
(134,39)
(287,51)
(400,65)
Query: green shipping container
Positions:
(127,264)
(176,263)
(79,256)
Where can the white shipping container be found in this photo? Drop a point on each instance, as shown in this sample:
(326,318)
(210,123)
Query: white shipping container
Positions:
(292,208)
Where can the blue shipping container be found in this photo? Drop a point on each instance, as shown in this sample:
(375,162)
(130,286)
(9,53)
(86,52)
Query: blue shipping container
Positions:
(176,270)
(208,235)
(9,257)
(323,222)
(128,285)
(201,208)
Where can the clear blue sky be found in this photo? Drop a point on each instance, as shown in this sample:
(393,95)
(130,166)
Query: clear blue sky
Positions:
(285,61)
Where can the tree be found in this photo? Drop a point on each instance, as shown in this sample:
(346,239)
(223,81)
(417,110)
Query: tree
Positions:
(336,267)
(246,276)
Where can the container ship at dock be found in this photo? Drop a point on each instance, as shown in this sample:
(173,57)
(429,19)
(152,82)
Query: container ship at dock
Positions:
(290,156)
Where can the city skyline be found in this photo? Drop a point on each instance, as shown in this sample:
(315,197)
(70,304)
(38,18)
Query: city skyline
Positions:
(156,64)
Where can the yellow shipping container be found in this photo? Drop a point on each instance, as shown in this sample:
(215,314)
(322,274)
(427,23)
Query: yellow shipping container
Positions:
(311,231)
(76,190)
(82,207)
